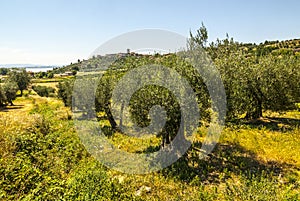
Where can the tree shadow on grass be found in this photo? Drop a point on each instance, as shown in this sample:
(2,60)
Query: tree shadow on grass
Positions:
(12,107)
(150,149)
(271,123)
(218,166)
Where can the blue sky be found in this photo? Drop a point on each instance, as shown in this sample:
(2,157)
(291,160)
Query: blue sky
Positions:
(62,31)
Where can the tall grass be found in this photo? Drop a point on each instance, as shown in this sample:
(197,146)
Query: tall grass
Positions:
(42,158)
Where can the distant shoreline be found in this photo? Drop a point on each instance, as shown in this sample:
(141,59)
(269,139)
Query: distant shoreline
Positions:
(34,69)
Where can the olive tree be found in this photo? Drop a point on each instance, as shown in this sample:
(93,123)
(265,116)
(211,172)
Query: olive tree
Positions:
(2,97)
(143,100)
(21,78)
(10,90)
(255,83)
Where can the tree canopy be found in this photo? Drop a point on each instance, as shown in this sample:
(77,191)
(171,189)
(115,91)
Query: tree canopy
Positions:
(21,78)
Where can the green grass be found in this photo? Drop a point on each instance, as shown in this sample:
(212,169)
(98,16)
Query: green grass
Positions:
(46,80)
(47,84)
(43,158)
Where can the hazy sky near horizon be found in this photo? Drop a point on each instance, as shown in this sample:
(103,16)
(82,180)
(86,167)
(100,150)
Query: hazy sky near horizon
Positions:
(57,32)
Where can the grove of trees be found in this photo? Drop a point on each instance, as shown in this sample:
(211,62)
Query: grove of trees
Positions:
(43,157)
(254,82)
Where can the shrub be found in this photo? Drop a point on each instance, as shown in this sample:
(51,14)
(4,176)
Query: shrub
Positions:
(91,182)
(65,90)
(44,91)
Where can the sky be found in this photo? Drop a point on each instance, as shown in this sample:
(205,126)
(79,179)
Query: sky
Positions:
(57,32)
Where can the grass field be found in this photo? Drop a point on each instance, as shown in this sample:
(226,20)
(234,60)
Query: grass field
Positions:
(42,158)
(47,84)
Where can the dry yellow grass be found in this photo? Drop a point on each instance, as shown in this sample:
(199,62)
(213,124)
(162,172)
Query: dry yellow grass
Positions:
(48,84)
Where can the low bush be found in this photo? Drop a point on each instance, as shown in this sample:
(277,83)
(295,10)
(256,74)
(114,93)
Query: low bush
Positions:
(44,91)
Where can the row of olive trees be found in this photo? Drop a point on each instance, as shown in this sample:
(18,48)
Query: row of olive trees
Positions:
(143,100)
(257,84)
(253,82)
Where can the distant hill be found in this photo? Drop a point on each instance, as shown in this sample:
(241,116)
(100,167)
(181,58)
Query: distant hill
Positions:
(274,47)
(268,47)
